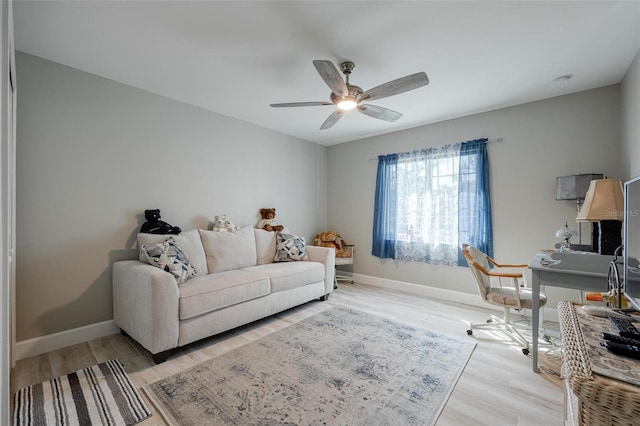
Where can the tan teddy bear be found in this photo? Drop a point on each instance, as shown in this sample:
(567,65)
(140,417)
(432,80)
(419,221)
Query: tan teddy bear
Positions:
(332,239)
(268,221)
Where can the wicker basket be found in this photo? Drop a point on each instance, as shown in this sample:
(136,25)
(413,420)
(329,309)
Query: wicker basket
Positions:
(592,399)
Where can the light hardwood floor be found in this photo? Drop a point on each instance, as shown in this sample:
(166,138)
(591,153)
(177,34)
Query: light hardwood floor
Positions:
(496,388)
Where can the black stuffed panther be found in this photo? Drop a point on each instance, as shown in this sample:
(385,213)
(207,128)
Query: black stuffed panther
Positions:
(154,225)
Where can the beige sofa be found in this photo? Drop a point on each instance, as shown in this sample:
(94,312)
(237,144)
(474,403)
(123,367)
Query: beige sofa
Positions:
(236,282)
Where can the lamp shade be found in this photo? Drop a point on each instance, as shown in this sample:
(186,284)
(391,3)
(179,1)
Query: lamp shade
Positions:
(604,201)
(574,187)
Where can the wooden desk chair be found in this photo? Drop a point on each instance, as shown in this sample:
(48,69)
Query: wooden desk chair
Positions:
(512,294)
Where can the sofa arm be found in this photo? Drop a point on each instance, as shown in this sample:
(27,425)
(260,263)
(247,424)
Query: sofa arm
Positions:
(326,256)
(145,304)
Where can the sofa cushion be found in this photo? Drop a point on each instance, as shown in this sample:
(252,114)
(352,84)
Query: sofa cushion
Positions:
(189,241)
(169,257)
(226,251)
(216,291)
(290,248)
(265,246)
(288,275)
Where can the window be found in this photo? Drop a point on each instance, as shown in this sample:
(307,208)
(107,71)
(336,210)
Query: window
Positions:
(429,202)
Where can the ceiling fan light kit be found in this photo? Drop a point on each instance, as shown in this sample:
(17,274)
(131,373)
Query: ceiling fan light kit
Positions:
(347,96)
(348,103)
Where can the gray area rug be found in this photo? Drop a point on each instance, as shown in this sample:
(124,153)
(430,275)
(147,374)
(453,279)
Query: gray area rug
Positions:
(339,367)
(102,394)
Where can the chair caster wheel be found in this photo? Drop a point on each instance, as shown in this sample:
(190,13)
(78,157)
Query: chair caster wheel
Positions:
(469,332)
(489,320)
(525,351)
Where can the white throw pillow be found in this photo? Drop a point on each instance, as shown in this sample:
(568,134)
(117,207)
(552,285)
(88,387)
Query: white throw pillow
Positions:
(189,241)
(226,251)
(290,248)
(169,257)
(265,246)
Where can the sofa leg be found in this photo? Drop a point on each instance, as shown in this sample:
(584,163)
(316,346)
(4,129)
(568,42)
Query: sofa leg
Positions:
(161,357)
(325,297)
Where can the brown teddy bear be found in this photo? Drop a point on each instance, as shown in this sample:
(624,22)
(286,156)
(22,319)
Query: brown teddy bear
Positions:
(268,221)
(332,239)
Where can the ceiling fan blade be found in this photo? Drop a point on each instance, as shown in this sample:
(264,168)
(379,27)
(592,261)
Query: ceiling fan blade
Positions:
(331,76)
(300,104)
(332,119)
(395,87)
(379,112)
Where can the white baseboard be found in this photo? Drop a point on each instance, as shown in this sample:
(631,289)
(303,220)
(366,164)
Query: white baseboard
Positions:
(52,342)
(549,314)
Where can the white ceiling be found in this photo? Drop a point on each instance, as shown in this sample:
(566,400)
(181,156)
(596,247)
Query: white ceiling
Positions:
(237,57)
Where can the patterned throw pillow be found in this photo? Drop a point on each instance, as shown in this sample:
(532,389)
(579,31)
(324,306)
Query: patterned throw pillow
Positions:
(169,257)
(289,248)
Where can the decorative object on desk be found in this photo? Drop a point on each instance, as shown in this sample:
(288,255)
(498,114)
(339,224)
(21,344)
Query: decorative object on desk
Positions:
(566,234)
(574,188)
(604,207)
(548,261)
(595,296)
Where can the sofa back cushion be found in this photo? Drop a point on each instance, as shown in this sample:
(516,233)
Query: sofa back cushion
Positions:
(229,250)
(265,246)
(188,241)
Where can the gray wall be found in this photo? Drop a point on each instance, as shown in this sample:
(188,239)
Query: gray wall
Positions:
(576,133)
(93,154)
(630,119)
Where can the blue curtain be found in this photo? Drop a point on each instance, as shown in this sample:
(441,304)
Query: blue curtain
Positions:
(474,199)
(384,213)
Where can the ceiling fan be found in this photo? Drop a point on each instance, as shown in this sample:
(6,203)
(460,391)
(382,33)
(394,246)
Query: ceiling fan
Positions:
(347,96)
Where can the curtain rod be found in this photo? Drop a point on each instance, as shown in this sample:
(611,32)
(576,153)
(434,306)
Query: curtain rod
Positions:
(490,140)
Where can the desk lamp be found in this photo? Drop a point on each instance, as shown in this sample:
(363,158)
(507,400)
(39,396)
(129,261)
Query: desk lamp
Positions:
(604,207)
(574,188)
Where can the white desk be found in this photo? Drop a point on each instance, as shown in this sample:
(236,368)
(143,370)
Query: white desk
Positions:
(581,271)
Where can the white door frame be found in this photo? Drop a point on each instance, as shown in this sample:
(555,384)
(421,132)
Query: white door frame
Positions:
(7,207)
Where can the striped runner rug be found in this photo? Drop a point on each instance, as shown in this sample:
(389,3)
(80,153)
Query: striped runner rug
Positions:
(101,394)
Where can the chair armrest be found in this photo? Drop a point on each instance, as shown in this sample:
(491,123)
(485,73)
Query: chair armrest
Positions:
(506,274)
(145,304)
(497,274)
(326,256)
(505,265)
